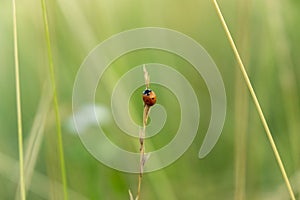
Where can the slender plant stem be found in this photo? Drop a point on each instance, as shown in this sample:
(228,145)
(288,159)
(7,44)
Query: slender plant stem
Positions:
(55,102)
(18,96)
(241,105)
(142,153)
(241,112)
(142,149)
(142,137)
(256,102)
(141,171)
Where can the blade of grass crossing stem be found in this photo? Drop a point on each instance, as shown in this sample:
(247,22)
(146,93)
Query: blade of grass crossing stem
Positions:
(256,102)
(18,99)
(59,135)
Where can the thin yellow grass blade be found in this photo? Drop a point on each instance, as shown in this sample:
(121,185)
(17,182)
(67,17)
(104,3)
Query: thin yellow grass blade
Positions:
(18,99)
(130,195)
(146,76)
(35,137)
(256,102)
(40,182)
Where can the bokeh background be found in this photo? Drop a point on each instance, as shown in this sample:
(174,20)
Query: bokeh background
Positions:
(242,164)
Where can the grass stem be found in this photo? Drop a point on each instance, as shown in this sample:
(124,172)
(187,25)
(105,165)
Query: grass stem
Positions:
(55,102)
(256,102)
(241,104)
(142,137)
(18,99)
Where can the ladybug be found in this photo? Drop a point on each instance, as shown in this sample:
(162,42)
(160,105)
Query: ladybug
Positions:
(149,97)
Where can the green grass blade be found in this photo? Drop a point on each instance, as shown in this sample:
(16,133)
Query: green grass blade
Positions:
(18,99)
(241,105)
(283,50)
(40,182)
(256,102)
(58,125)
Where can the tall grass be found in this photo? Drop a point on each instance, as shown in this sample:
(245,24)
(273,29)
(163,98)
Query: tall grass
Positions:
(35,138)
(18,100)
(256,102)
(78,26)
(241,104)
(55,102)
(287,73)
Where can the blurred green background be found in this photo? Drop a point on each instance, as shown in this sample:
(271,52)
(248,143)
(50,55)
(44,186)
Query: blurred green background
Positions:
(242,164)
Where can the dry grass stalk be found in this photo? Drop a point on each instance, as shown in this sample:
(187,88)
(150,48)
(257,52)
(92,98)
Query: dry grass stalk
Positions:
(256,102)
(142,135)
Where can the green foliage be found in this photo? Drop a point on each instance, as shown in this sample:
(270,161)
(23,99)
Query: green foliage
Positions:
(269,47)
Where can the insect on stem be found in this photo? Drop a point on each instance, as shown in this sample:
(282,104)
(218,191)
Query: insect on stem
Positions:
(149,99)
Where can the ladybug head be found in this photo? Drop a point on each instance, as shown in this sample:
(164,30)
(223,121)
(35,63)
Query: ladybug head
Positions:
(147,92)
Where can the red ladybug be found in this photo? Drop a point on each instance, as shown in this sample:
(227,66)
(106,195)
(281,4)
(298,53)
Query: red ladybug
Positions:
(149,97)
